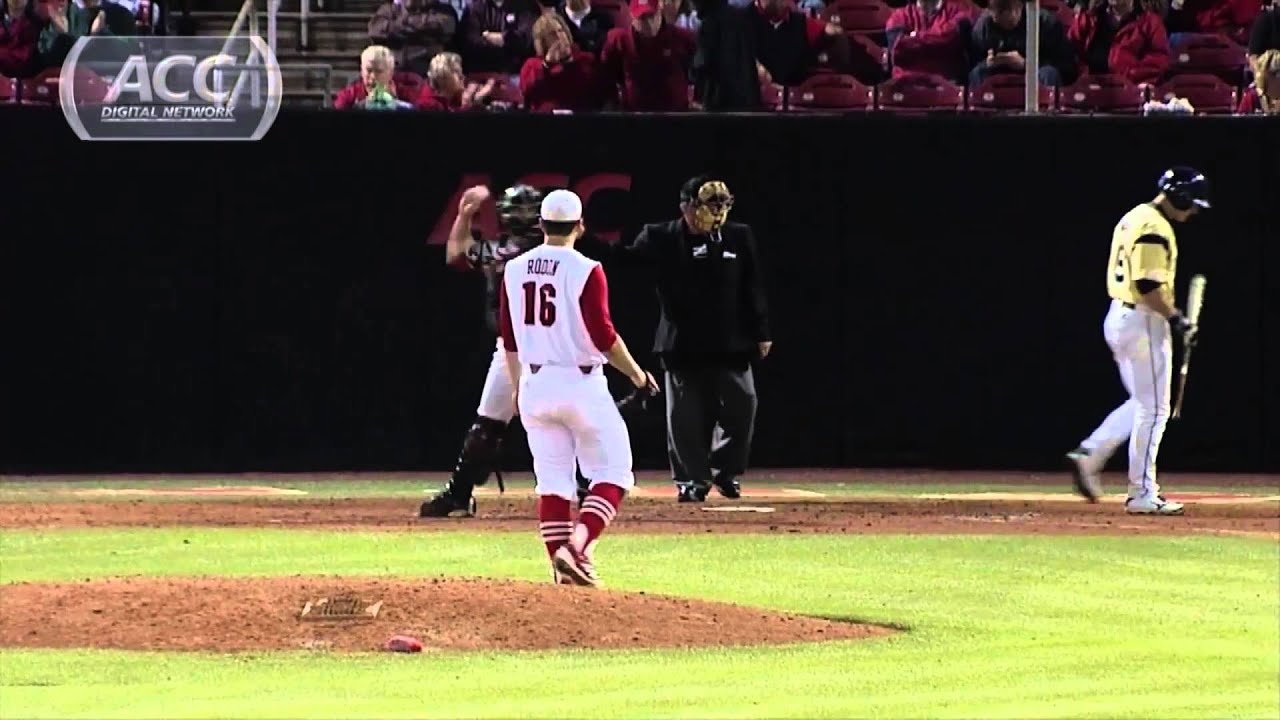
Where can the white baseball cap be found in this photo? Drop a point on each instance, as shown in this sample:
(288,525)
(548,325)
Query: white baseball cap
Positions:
(561,206)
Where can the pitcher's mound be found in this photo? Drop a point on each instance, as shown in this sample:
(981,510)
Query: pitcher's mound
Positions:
(223,614)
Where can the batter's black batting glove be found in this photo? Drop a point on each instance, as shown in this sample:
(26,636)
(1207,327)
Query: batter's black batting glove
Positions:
(1183,327)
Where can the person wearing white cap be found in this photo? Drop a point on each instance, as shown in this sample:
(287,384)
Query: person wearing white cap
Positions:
(558,334)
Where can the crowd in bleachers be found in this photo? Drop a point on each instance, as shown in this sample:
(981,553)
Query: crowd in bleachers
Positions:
(742,55)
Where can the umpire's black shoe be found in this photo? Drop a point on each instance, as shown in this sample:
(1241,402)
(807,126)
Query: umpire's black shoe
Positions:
(448,503)
(691,493)
(728,486)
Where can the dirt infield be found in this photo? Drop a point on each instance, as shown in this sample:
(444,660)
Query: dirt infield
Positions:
(264,614)
(641,515)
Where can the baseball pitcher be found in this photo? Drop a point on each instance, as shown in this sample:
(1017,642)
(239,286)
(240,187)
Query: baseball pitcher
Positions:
(558,335)
(1138,328)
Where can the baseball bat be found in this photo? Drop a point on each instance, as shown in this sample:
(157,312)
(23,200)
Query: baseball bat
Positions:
(1195,301)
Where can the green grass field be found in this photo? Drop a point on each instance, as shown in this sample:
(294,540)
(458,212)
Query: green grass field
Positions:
(996,626)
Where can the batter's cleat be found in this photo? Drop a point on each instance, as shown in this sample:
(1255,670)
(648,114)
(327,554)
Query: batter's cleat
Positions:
(573,564)
(691,493)
(448,503)
(728,486)
(1084,475)
(1152,506)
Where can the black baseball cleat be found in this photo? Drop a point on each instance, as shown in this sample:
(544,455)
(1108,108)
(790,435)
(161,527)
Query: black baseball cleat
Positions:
(728,486)
(691,493)
(448,503)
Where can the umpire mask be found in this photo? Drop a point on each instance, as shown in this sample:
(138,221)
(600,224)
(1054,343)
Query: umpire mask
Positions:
(708,206)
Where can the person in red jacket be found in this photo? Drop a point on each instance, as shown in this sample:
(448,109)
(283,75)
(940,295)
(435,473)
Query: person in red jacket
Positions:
(447,88)
(931,37)
(560,76)
(378,69)
(650,60)
(19,31)
(1119,37)
(1263,96)
(1232,17)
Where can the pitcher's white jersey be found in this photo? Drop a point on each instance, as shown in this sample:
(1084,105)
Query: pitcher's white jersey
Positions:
(555,308)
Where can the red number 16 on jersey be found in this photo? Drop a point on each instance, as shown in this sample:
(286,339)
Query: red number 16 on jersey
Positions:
(542,297)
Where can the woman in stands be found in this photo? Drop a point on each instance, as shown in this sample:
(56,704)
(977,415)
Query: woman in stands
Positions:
(447,88)
(560,76)
(1263,96)
(380,86)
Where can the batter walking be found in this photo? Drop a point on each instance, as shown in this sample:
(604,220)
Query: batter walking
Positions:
(1138,328)
(558,334)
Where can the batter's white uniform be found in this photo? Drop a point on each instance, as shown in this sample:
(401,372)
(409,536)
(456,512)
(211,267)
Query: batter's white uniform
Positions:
(555,315)
(1143,248)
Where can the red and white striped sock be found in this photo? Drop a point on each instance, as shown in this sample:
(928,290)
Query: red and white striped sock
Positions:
(598,510)
(555,521)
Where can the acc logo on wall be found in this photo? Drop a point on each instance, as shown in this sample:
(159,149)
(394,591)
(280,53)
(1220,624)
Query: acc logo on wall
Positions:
(170,88)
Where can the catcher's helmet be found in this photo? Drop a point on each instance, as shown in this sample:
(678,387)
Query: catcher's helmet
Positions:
(1185,187)
(518,211)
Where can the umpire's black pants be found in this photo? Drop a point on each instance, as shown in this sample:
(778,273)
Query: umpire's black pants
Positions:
(711,414)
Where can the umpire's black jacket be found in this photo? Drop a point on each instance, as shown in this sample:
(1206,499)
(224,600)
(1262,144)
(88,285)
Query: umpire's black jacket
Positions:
(710,292)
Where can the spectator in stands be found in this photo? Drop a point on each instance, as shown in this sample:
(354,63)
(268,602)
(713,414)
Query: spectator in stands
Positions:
(588,26)
(19,30)
(380,86)
(930,37)
(725,71)
(1000,44)
(1263,96)
(417,30)
(787,42)
(499,34)
(1228,17)
(650,61)
(560,76)
(447,88)
(66,22)
(1121,37)
(1266,32)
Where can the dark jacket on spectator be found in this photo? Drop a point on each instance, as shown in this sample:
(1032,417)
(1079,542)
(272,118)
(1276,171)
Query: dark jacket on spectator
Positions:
(786,48)
(514,19)
(1055,49)
(939,45)
(1138,51)
(724,66)
(18,37)
(591,34)
(653,72)
(572,85)
(1266,32)
(408,88)
(53,45)
(417,31)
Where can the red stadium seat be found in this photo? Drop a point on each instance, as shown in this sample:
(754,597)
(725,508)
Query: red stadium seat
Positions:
(771,94)
(1007,93)
(920,93)
(826,93)
(1102,94)
(1209,54)
(1206,93)
(864,17)
(8,89)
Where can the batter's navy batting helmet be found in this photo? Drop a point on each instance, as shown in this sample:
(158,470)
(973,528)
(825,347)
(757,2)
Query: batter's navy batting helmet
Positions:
(1185,187)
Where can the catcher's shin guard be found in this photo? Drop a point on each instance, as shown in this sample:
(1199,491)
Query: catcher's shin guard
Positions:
(479,457)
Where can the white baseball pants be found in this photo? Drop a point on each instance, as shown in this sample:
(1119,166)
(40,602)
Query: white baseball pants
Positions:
(1142,345)
(569,415)
(495,398)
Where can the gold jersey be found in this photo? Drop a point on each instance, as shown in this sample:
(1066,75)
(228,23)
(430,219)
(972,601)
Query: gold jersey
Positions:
(1143,247)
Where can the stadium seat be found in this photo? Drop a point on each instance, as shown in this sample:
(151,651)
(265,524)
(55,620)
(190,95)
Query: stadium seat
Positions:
(1102,94)
(1204,53)
(867,60)
(827,93)
(1206,93)
(1007,93)
(920,93)
(772,94)
(8,88)
(862,17)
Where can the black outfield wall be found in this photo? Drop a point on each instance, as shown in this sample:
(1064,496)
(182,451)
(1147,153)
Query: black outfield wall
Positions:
(936,284)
